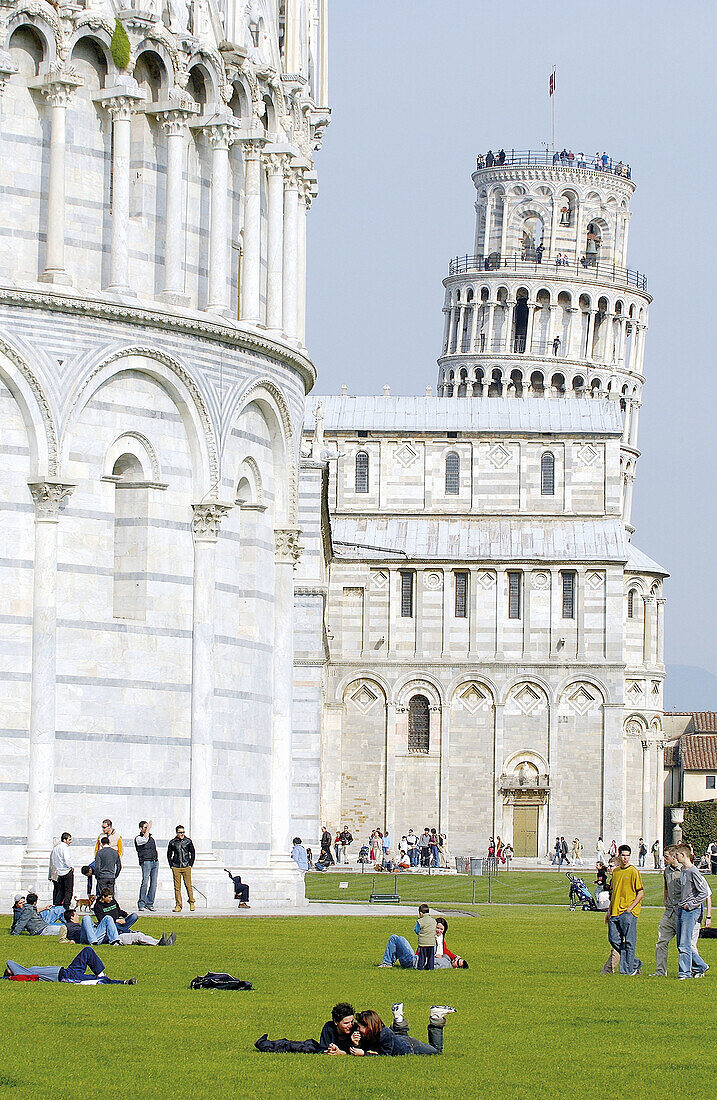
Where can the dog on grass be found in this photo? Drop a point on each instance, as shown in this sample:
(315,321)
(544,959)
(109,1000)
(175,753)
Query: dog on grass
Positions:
(84,905)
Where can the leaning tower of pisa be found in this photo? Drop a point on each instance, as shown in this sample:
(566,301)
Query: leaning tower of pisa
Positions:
(547,306)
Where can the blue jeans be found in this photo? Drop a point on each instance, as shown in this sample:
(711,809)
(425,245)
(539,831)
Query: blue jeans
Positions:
(104,932)
(434,856)
(148,889)
(129,920)
(622,935)
(53,915)
(88,959)
(399,948)
(413,856)
(691,962)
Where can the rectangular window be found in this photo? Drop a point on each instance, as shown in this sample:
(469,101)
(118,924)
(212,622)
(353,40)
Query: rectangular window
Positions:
(568,595)
(514,595)
(461,595)
(710,782)
(407,585)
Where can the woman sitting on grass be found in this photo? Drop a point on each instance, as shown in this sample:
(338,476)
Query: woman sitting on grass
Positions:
(373,1037)
(399,948)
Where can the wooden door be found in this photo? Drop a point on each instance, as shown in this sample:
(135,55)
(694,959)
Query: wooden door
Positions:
(525,832)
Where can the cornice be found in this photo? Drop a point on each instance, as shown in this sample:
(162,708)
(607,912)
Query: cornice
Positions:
(145,317)
(549,276)
(555,173)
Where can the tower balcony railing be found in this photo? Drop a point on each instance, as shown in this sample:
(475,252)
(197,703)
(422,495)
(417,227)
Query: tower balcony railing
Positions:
(545,158)
(585,268)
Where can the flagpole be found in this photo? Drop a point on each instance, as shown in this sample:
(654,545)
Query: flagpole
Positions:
(552,97)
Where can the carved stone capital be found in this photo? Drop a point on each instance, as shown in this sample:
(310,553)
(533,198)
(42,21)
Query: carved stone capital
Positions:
(175,121)
(276,163)
(50,497)
(8,67)
(221,135)
(58,86)
(206,519)
(288,547)
(123,107)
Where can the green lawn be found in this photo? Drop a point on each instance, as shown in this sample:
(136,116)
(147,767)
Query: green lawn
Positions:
(534,1017)
(514,887)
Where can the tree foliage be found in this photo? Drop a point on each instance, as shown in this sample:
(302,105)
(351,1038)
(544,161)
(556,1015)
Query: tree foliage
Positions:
(119,46)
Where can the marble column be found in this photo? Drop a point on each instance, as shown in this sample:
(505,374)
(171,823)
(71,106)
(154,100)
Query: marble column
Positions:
(174,124)
(287,553)
(646,818)
(58,92)
(487,228)
(221,137)
(291,252)
(205,528)
(251,240)
(659,796)
(489,328)
(306,196)
(275,163)
(49,497)
(121,109)
(587,351)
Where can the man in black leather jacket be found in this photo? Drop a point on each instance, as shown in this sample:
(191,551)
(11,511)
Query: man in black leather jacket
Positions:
(180,856)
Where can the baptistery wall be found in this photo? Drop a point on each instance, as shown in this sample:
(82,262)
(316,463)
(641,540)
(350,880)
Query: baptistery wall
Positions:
(157,173)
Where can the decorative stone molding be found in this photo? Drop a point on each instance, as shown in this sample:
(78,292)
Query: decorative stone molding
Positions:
(145,318)
(173,365)
(43,405)
(58,85)
(206,518)
(221,134)
(280,401)
(288,548)
(50,497)
(175,120)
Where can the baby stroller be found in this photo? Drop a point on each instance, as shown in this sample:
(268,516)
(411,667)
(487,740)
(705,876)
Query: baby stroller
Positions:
(580,895)
(364,854)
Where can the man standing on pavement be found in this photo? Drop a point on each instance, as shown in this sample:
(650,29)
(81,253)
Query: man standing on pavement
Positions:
(149,865)
(180,856)
(61,873)
(115,840)
(626,894)
(107,866)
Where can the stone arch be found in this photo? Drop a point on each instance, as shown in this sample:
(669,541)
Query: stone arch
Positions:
(136,444)
(635,725)
(418,684)
(212,68)
(155,57)
(577,681)
(43,22)
(99,34)
(250,474)
(270,399)
(184,392)
(35,407)
(463,684)
(537,759)
(515,682)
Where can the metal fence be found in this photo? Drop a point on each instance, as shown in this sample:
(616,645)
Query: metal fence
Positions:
(525,158)
(585,267)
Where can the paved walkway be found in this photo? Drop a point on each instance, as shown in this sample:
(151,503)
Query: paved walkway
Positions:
(313,909)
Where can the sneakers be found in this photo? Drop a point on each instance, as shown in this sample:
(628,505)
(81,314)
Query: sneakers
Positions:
(439,1012)
(149,908)
(177,909)
(62,938)
(657,974)
(397,1010)
(168,940)
(191,907)
(388,965)
(129,981)
(701,973)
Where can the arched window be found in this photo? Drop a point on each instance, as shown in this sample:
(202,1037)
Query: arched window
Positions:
(547,475)
(631,604)
(453,474)
(418,724)
(361,472)
(129,590)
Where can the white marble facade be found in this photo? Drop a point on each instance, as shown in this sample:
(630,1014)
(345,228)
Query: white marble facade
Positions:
(479,643)
(152,383)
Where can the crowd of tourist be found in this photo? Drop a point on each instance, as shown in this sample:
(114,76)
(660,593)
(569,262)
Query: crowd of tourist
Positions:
(566,158)
(428,849)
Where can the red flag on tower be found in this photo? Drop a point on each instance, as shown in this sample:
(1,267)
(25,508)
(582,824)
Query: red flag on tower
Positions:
(552,82)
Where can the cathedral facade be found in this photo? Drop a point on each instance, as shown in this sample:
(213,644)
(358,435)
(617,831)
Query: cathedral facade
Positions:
(479,642)
(157,174)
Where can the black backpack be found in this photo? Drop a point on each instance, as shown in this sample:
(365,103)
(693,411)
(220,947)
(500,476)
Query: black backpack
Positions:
(218,981)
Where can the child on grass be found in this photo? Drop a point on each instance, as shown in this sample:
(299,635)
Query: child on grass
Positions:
(426,931)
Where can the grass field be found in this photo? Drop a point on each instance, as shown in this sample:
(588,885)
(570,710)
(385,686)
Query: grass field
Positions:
(534,1019)
(514,887)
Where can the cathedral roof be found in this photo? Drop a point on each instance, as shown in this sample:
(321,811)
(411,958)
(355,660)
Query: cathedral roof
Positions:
(479,538)
(475,414)
(698,751)
(639,562)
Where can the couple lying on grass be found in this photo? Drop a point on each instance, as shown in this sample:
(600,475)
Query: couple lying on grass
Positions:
(432,954)
(364,1033)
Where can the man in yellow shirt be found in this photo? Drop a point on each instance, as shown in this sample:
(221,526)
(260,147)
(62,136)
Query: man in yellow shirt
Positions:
(626,894)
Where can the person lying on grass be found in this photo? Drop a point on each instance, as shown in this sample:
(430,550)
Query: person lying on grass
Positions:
(74,973)
(335,1036)
(398,948)
(373,1037)
(81,930)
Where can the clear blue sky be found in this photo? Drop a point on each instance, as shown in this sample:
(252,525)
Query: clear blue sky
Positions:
(418,88)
